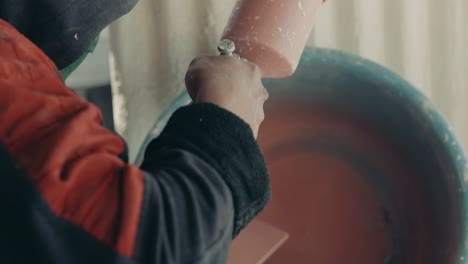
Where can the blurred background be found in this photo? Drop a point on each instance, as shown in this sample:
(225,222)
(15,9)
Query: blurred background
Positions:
(139,65)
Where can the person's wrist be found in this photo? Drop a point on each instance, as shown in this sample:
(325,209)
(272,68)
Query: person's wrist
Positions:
(229,107)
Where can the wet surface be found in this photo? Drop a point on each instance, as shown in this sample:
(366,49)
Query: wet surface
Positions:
(343,191)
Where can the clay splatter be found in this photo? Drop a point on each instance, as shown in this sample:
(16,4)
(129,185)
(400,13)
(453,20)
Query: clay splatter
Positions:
(299,5)
(277,25)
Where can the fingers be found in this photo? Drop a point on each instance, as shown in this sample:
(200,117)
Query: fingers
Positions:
(260,116)
(264,95)
(259,120)
(226,81)
(191,81)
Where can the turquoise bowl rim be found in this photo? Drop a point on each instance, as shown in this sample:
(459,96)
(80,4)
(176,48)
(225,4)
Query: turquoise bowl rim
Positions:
(375,73)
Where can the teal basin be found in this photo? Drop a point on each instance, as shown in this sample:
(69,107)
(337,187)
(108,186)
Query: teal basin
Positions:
(364,167)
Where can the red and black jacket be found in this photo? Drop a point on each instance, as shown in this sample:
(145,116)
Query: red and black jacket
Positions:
(68,194)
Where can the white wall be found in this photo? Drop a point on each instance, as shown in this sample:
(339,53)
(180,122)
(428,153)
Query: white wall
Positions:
(426,41)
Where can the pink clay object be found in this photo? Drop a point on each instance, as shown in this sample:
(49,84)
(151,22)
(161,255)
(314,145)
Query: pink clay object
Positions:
(272,33)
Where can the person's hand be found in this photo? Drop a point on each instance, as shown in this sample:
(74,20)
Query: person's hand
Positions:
(230,83)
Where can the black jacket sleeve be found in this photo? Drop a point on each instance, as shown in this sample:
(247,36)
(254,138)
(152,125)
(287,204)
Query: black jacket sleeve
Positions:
(206,180)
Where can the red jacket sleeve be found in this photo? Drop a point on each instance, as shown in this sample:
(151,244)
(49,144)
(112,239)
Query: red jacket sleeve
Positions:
(56,137)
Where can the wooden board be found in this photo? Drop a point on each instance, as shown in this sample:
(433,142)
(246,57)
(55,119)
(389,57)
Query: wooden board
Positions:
(256,243)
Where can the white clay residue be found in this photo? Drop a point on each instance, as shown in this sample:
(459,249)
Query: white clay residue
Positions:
(301,9)
(291,43)
(278,27)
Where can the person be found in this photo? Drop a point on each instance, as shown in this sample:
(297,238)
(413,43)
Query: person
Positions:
(65,30)
(69,195)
